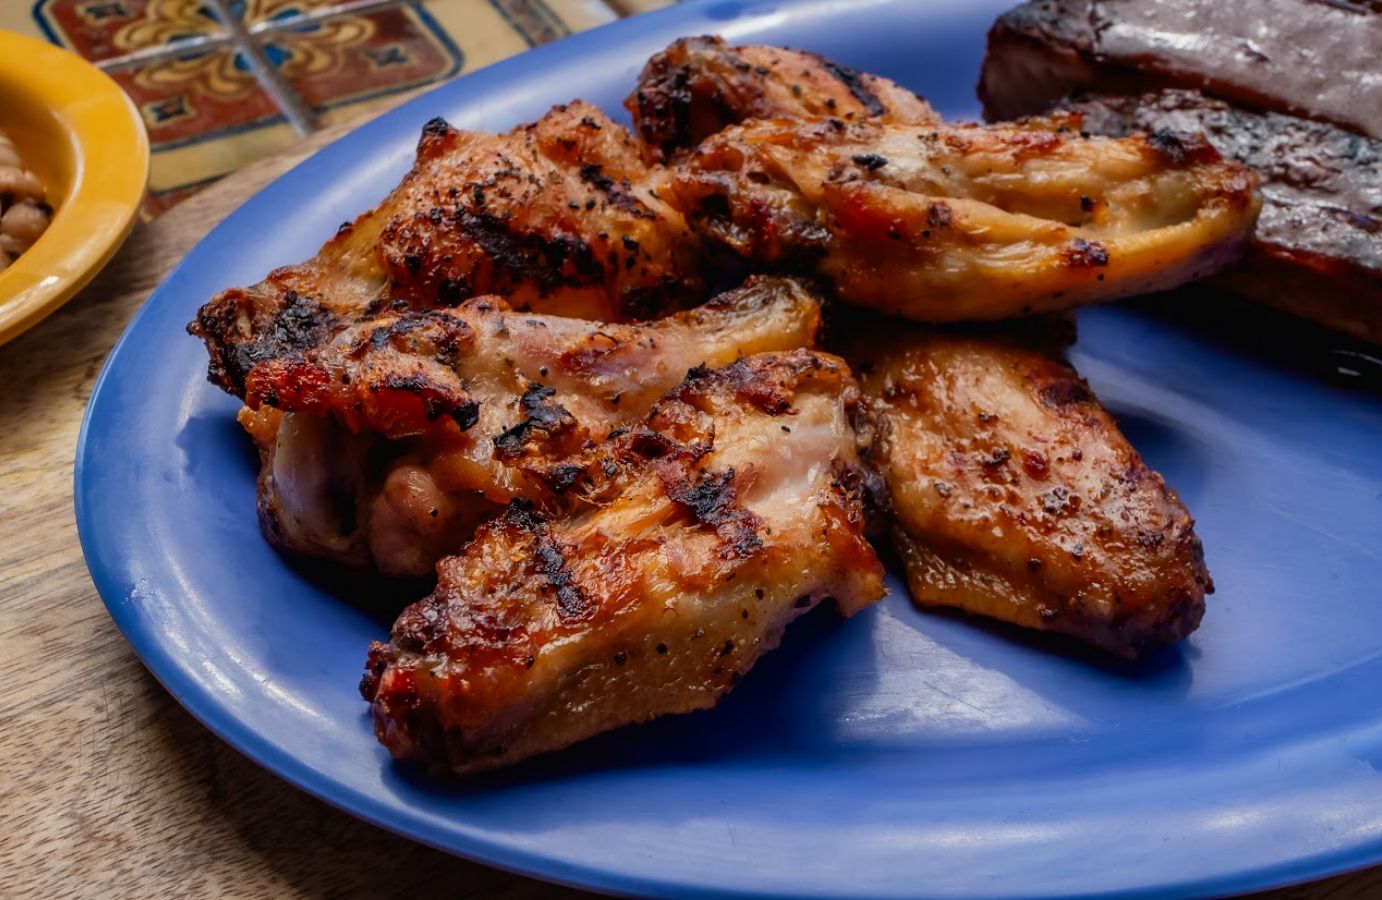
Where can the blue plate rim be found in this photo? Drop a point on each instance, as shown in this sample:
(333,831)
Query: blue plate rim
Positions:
(477,847)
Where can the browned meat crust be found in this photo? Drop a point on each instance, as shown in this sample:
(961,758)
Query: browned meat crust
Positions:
(1317,248)
(1015,496)
(560,216)
(936,390)
(402,433)
(733,508)
(701,85)
(1312,58)
(954,222)
(654,543)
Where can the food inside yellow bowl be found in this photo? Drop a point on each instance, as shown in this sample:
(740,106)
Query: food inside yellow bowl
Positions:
(84,141)
(24,209)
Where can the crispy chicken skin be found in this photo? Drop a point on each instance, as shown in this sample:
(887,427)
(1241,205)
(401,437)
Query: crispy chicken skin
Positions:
(1015,496)
(961,414)
(700,85)
(735,506)
(560,216)
(404,432)
(953,222)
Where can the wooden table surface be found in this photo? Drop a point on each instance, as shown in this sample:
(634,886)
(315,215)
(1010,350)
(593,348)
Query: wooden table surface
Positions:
(107,787)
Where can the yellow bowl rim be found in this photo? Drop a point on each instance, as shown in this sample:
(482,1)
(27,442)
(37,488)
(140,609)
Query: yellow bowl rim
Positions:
(111,154)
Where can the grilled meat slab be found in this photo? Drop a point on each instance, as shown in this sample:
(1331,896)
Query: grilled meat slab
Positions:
(384,447)
(1016,497)
(701,85)
(560,216)
(733,508)
(1317,248)
(947,223)
(1311,58)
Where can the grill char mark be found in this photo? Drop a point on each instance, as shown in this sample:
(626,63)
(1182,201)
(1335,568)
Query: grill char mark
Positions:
(301,322)
(853,81)
(549,560)
(541,417)
(713,499)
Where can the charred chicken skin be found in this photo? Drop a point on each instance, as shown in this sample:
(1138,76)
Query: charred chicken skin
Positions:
(560,216)
(402,433)
(991,428)
(699,86)
(945,223)
(1015,496)
(628,514)
(699,534)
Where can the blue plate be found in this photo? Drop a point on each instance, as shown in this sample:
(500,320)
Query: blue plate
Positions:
(898,753)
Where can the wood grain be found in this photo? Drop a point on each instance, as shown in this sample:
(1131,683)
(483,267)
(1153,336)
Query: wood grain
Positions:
(107,787)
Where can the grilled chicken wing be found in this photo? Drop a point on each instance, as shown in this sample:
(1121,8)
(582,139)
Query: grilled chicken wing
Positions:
(946,223)
(700,85)
(560,216)
(1016,497)
(962,414)
(404,432)
(733,508)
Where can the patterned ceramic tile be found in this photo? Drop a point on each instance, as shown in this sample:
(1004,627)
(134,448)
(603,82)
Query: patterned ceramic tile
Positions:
(533,19)
(259,14)
(345,59)
(106,29)
(207,115)
(634,7)
(196,96)
(222,82)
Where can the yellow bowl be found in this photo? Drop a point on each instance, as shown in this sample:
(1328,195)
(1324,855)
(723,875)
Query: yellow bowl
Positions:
(83,138)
